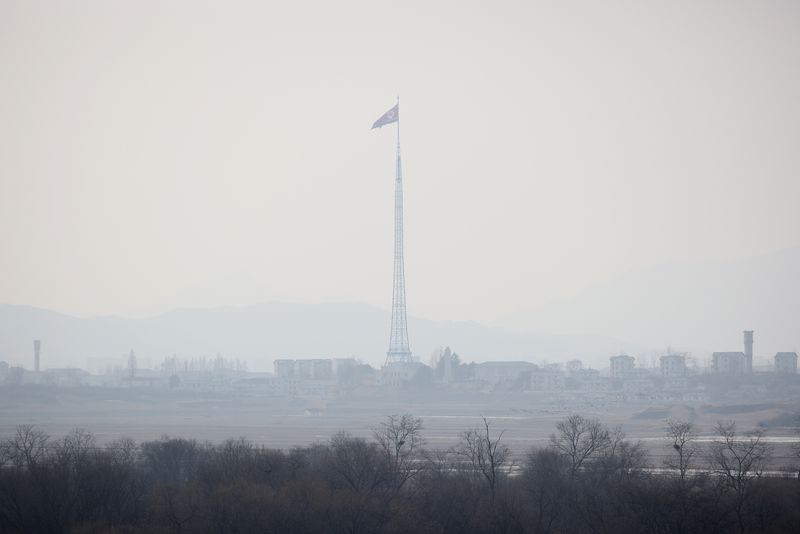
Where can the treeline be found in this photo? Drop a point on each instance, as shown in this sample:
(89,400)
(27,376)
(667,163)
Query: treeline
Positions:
(588,479)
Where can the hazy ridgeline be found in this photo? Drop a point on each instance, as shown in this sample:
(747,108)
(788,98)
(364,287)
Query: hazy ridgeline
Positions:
(589,478)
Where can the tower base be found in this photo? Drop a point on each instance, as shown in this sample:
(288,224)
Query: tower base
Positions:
(399,357)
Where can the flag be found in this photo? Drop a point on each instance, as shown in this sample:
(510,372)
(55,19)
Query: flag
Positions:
(393,115)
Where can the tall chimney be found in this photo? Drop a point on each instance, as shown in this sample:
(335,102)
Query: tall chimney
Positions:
(748,350)
(37,347)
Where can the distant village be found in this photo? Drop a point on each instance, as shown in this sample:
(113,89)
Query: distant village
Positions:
(731,376)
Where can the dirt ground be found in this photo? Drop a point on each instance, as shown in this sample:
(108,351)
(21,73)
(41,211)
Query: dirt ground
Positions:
(527,420)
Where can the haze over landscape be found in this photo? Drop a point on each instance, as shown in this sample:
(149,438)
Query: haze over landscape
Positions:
(165,158)
(696,308)
(186,156)
(235,298)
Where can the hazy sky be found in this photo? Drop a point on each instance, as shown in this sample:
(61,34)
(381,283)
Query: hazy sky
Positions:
(164,154)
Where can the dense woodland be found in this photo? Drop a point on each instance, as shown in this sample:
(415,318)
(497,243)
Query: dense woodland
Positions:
(589,479)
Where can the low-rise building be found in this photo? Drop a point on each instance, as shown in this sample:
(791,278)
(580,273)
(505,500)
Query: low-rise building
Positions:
(305,369)
(730,363)
(676,383)
(398,374)
(638,386)
(496,372)
(67,376)
(596,385)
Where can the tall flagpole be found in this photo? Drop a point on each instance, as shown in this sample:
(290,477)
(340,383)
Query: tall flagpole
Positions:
(399,350)
(398,135)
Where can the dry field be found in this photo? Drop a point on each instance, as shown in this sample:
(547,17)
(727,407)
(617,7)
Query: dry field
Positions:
(527,420)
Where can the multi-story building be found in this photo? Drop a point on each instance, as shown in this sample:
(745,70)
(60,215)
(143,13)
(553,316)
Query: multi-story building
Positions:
(398,374)
(343,365)
(735,362)
(621,365)
(547,380)
(283,368)
(304,369)
(574,366)
(673,365)
(322,369)
(786,362)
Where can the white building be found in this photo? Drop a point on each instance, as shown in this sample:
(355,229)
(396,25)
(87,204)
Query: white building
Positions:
(621,365)
(574,366)
(673,365)
(547,380)
(283,368)
(786,362)
(397,374)
(307,369)
(496,372)
(729,363)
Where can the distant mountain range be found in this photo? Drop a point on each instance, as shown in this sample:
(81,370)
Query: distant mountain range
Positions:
(263,332)
(695,307)
(698,307)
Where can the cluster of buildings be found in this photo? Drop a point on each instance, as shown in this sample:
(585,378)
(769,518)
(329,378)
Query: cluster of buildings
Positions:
(675,377)
(314,368)
(737,363)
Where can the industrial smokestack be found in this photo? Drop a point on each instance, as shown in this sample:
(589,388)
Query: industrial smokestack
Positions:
(748,350)
(37,347)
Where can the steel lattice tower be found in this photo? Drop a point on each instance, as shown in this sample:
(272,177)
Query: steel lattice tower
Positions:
(399,350)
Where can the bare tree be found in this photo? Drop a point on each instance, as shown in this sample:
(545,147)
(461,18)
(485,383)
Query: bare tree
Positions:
(177,506)
(545,481)
(356,463)
(796,446)
(123,451)
(486,455)
(27,446)
(75,447)
(171,460)
(616,440)
(400,439)
(738,462)
(682,435)
(621,457)
(580,439)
